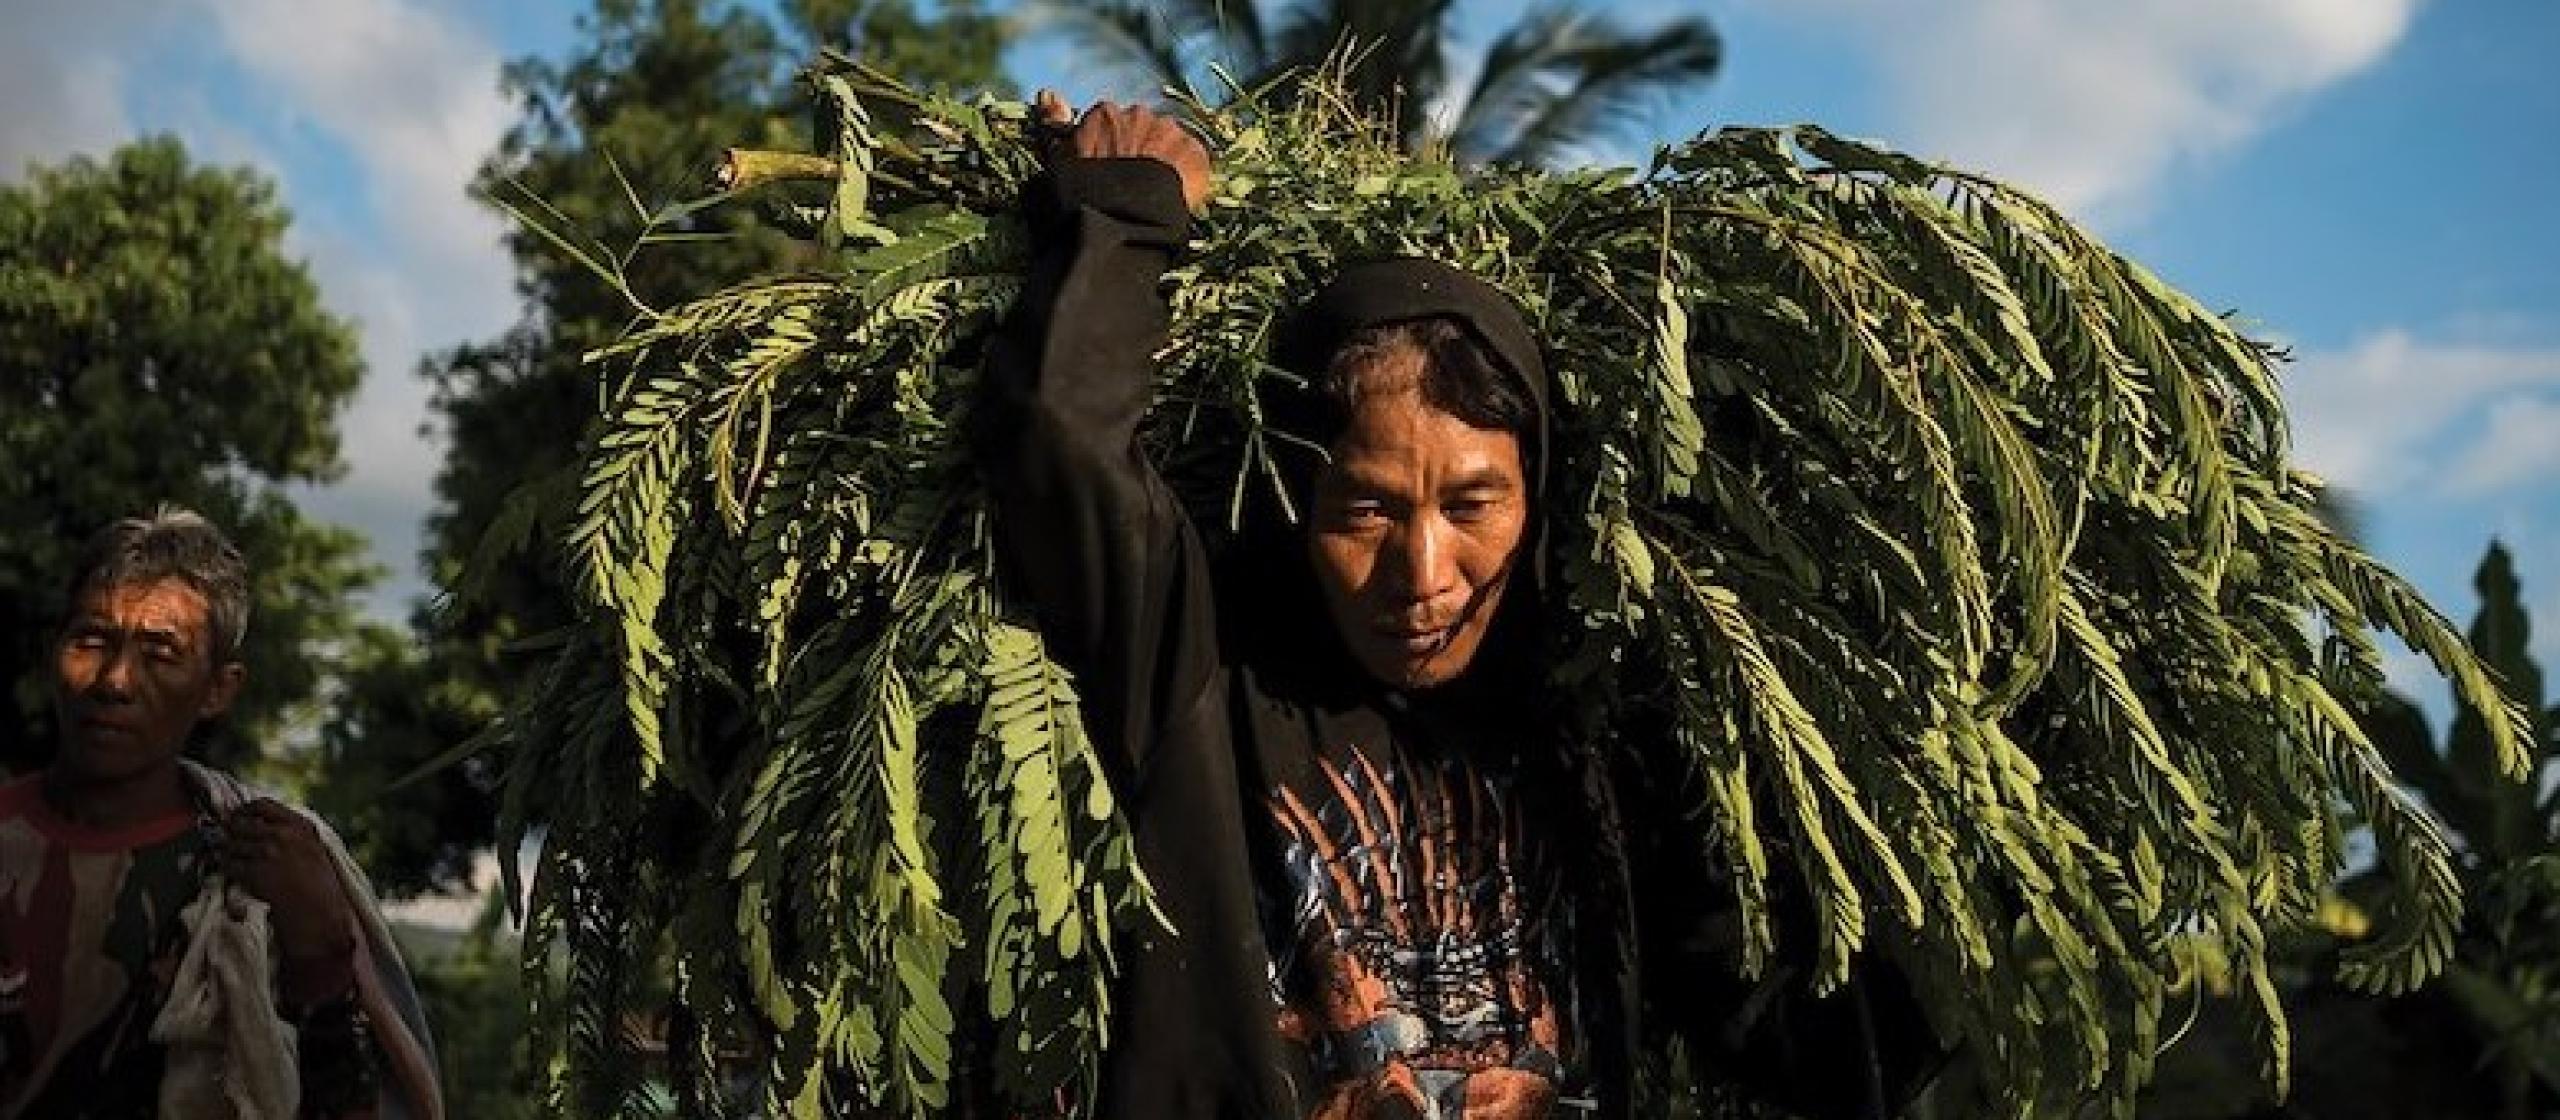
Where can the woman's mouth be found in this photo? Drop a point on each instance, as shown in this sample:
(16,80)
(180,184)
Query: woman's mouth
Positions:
(1413,642)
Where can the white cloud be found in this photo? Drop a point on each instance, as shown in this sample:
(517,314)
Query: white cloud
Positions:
(380,110)
(2376,417)
(412,99)
(2090,102)
(391,467)
(86,111)
(62,79)
(412,95)
(2521,443)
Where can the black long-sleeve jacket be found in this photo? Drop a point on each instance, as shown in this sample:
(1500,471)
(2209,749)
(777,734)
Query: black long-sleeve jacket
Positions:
(1196,724)
(1091,536)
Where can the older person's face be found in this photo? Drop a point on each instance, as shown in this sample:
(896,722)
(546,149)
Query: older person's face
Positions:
(1416,529)
(135,670)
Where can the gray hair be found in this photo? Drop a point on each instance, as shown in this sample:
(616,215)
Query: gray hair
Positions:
(173,541)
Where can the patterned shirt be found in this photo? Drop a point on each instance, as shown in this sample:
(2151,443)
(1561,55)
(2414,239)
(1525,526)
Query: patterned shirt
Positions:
(90,939)
(1421,957)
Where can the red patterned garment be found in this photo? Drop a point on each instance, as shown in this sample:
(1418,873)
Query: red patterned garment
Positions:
(89,939)
(1421,956)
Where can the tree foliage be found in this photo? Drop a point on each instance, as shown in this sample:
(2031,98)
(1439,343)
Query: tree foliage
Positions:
(472,993)
(628,120)
(389,714)
(1958,555)
(2484,1038)
(1548,86)
(158,345)
(2498,1003)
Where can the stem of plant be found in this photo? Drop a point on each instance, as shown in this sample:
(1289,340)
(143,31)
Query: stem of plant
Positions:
(747,168)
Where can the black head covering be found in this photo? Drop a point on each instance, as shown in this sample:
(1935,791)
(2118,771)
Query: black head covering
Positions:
(1375,293)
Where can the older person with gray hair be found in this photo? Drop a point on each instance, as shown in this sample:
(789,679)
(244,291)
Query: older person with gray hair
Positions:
(173,942)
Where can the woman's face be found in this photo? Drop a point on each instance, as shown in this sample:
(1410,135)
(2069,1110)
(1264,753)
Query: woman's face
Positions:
(1417,525)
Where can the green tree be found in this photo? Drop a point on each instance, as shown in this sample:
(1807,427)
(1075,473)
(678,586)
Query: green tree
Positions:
(1551,84)
(390,714)
(2500,997)
(631,120)
(156,344)
(474,994)
(2496,1009)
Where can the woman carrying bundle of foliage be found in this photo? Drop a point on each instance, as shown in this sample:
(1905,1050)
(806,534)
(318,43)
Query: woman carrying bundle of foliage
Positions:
(1396,886)
(1415,638)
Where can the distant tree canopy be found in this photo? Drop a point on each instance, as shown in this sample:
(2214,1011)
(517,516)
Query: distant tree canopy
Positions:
(631,120)
(157,344)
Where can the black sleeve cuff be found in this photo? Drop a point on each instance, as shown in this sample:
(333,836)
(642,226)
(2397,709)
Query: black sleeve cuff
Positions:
(1145,194)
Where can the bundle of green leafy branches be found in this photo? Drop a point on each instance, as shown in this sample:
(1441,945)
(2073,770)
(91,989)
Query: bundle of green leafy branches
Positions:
(1957,554)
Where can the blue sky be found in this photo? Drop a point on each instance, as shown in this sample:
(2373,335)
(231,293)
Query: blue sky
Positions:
(2368,180)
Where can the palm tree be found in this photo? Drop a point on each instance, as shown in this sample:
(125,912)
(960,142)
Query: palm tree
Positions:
(1551,84)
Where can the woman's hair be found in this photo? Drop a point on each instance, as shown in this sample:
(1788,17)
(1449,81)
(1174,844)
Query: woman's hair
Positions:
(1459,376)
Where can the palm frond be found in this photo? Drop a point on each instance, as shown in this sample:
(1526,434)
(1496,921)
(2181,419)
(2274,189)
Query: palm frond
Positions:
(1152,44)
(1554,82)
